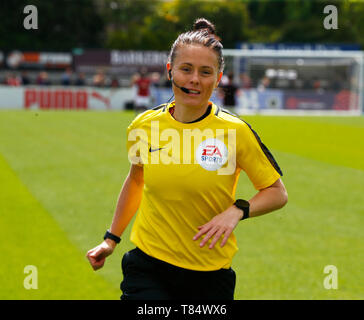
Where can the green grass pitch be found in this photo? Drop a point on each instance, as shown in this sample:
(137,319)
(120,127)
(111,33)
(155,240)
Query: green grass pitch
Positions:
(61,172)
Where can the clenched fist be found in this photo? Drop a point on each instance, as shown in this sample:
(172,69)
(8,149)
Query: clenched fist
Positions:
(97,255)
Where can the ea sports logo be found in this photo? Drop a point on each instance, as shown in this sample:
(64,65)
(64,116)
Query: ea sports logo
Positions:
(211,154)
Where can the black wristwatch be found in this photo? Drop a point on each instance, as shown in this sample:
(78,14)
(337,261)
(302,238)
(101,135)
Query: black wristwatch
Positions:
(109,235)
(243,205)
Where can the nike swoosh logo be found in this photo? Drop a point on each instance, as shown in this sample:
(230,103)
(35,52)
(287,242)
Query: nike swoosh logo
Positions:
(152,150)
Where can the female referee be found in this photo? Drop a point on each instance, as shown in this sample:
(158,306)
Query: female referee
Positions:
(187,209)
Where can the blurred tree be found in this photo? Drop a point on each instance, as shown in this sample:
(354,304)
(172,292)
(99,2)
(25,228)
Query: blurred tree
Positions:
(354,24)
(127,21)
(304,23)
(301,21)
(62,25)
(231,18)
(156,24)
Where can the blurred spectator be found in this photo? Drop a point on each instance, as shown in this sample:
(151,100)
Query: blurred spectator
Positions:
(66,77)
(246,82)
(80,80)
(317,85)
(228,92)
(264,83)
(115,83)
(142,96)
(7,79)
(24,78)
(43,79)
(156,79)
(12,80)
(99,79)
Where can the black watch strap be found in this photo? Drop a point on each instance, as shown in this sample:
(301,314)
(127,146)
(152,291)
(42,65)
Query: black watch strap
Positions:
(109,235)
(243,205)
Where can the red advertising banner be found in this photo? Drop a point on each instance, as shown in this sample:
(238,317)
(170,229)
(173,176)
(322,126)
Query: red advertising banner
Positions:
(65,98)
(56,99)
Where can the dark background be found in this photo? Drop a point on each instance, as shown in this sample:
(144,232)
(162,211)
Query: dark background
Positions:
(153,25)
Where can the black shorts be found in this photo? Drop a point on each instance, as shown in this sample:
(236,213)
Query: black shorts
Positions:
(147,278)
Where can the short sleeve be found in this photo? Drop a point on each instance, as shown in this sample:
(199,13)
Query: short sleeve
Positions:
(255,158)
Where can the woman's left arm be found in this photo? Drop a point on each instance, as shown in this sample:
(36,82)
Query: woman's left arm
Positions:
(266,200)
(269,199)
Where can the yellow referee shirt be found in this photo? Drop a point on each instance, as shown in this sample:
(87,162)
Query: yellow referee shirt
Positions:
(190,175)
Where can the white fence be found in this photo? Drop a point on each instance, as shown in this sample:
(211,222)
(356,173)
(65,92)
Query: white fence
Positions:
(70,98)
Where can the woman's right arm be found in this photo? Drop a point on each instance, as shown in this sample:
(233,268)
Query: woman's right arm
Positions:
(127,205)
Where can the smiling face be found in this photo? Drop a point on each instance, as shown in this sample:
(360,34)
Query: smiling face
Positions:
(194,67)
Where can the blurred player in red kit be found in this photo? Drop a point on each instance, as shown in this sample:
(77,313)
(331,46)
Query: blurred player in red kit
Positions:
(143,96)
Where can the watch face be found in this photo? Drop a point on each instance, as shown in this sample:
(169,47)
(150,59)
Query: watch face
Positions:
(242,203)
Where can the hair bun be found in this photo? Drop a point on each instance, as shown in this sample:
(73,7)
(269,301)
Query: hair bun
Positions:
(203,24)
